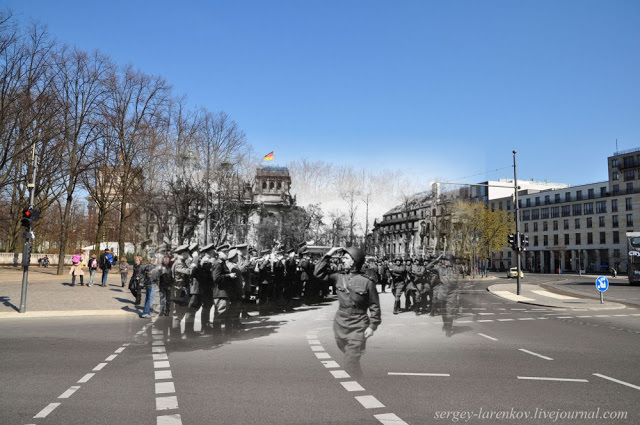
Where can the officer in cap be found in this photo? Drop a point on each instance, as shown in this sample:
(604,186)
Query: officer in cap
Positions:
(223,280)
(181,276)
(358,314)
(205,283)
(398,282)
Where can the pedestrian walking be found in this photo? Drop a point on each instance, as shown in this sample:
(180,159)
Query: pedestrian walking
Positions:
(93,267)
(76,270)
(137,279)
(124,271)
(151,274)
(358,314)
(165,284)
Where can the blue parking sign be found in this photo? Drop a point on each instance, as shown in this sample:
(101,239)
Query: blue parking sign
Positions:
(602,283)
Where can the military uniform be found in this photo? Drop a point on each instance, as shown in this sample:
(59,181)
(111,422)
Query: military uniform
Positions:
(447,279)
(358,309)
(398,283)
(419,273)
(181,273)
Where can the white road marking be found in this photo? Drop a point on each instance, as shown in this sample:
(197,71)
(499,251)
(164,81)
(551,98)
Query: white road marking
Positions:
(166,403)
(617,381)
(339,374)
(160,356)
(119,350)
(69,392)
(417,374)
(160,365)
(506,320)
(369,402)
(352,386)
(389,419)
(526,318)
(163,374)
(540,378)
(583,317)
(553,295)
(317,348)
(158,342)
(620,315)
(314,342)
(565,317)
(330,364)
(44,412)
(158,350)
(126,344)
(111,357)
(464,321)
(86,378)
(169,420)
(488,337)
(99,367)
(484,321)
(486,314)
(165,388)
(602,315)
(535,354)
(322,355)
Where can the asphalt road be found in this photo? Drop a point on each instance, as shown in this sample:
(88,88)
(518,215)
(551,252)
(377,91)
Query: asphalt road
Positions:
(505,363)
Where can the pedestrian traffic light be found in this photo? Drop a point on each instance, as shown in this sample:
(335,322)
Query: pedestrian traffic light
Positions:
(27,217)
(511,240)
(524,240)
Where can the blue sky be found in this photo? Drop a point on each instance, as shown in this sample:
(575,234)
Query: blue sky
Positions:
(441,89)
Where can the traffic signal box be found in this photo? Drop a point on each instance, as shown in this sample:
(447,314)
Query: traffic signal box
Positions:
(29,216)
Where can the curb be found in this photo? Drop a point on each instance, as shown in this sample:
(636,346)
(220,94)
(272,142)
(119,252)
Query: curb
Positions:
(62,313)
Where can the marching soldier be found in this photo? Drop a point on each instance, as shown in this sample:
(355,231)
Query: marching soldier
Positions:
(205,281)
(195,299)
(419,273)
(398,283)
(223,290)
(358,314)
(291,278)
(181,276)
(410,288)
(265,276)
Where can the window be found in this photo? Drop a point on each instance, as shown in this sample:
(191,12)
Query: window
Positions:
(566,210)
(535,214)
(579,195)
(537,201)
(566,239)
(577,223)
(545,226)
(615,175)
(557,198)
(279,185)
(590,194)
(525,215)
(264,185)
(555,240)
(629,187)
(535,240)
(589,222)
(603,238)
(628,161)
(614,162)
(601,207)
(614,205)
(555,212)
(526,227)
(547,200)
(628,204)
(566,224)
(528,202)
(577,209)
(535,226)
(588,208)
(616,189)
(567,196)
(555,224)
(601,221)
(616,237)
(629,175)
(614,221)
(270,185)
(545,240)
(509,205)
(500,205)
(629,220)
(578,241)
(589,238)
(603,192)
(544,213)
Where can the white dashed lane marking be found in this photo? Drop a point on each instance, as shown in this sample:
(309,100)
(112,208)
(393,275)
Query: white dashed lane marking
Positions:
(369,402)
(417,374)
(389,419)
(86,378)
(534,354)
(69,392)
(542,378)
(45,412)
(617,381)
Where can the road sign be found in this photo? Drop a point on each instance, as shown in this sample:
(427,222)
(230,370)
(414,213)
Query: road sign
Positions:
(602,283)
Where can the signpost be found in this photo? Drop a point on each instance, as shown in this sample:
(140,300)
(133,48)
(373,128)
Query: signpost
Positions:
(602,284)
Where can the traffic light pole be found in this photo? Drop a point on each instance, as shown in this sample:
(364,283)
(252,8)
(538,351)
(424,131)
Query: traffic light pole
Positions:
(29,236)
(518,247)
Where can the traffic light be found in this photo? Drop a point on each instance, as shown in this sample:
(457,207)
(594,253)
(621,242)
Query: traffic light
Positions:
(511,240)
(27,217)
(524,240)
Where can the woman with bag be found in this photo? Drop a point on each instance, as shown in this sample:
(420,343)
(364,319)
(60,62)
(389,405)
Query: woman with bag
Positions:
(93,267)
(76,270)
(124,270)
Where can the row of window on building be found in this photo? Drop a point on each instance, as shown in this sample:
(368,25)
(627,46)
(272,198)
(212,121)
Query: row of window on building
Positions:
(575,210)
(577,239)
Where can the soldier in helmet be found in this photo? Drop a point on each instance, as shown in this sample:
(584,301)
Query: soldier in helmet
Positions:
(181,278)
(398,283)
(358,314)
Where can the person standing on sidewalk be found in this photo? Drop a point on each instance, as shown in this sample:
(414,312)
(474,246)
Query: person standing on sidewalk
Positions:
(124,270)
(137,279)
(105,265)
(76,270)
(93,267)
(151,279)
(358,314)
(165,284)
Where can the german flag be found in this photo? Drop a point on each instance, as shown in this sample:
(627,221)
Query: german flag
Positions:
(268,157)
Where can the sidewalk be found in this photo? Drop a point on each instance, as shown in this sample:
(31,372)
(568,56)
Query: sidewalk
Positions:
(50,295)
(537,295)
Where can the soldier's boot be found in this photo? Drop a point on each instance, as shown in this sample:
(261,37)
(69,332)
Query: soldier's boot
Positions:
(396,307)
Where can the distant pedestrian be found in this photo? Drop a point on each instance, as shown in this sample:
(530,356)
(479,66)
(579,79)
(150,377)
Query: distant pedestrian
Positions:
(105,265)
(76,270)
(151,274)
(358,314)
(137,280)
(165,284)
(124,271)
(93,267)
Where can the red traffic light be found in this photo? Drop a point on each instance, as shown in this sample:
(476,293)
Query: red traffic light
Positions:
(27,213)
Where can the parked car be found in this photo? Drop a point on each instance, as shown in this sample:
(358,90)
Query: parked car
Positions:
(513,272)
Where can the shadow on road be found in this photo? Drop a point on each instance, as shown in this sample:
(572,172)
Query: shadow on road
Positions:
(5,301)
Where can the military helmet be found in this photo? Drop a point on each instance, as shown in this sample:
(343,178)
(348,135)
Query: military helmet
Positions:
(357,254)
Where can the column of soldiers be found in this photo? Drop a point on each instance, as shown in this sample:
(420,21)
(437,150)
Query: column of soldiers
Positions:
(224,282)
